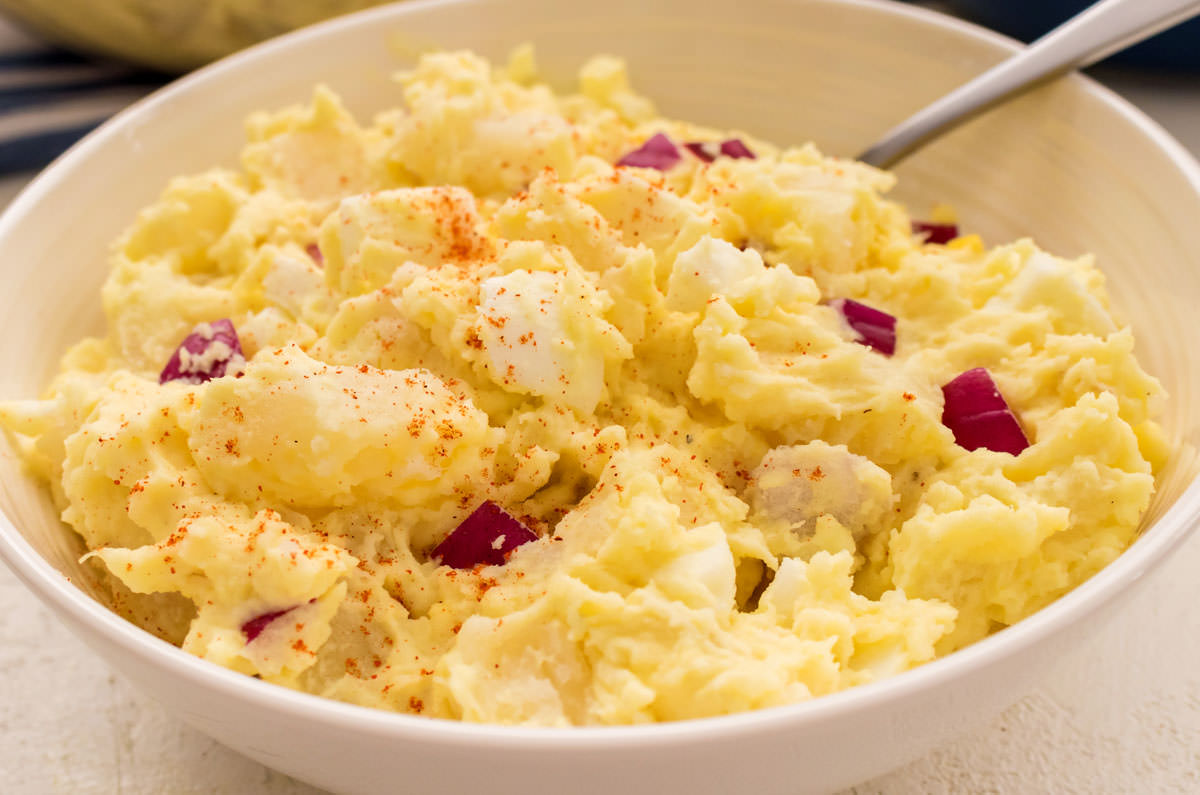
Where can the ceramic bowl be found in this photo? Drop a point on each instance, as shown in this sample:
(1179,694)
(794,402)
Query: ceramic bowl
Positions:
(1071,165)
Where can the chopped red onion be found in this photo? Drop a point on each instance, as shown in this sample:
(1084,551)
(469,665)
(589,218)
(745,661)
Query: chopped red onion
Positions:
(734,148)
(709,151)
(204,354)
(979,416)
(254,627)
(484,537)
(658,152)
(935,233)
(314,251)
(875,329)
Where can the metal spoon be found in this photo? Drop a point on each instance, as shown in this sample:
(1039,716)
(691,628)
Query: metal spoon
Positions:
(1092,35)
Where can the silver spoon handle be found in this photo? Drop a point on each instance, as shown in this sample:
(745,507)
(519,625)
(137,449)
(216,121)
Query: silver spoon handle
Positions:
(1104,28)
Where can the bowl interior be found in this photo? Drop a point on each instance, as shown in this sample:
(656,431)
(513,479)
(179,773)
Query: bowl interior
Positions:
(1065,165)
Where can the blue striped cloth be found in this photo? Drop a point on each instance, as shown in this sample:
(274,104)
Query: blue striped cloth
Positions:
(50,98)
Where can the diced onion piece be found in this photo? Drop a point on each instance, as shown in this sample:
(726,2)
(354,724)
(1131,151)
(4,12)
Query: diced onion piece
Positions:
(734,148)
(254,627)
(979,416)
(314,251)
(874,328)
(935,233)
(658,152)
(207,353)
(484,537)
(709,151)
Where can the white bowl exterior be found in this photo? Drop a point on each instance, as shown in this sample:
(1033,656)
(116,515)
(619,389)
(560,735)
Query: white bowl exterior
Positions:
(768,754)
(1069,165)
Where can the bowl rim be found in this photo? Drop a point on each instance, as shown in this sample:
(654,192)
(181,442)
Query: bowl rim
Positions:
(52,587)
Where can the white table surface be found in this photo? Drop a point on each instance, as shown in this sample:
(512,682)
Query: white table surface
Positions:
(1120,714)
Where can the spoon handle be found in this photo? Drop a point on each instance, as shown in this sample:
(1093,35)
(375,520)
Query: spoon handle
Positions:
(1097,32)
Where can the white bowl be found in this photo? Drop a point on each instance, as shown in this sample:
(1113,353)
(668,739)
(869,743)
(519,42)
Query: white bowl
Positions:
(1071,165)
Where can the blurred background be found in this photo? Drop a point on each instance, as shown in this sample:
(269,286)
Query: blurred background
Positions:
(67,65)
(173,36)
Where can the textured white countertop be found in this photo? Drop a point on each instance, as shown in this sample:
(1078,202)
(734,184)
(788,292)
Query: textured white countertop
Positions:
(1121,713)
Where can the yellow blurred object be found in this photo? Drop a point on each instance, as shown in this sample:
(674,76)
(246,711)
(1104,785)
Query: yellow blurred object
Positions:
(169,35)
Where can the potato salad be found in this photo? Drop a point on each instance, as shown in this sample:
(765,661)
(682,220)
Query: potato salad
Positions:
(517,407)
